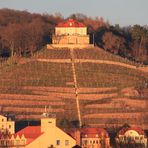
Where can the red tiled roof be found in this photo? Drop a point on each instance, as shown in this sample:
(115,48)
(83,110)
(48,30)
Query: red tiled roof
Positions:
(92,132)
(30,133)
(71,23)
(137,129)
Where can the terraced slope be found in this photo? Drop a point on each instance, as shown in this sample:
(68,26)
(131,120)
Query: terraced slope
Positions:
(58,102)
(106,75)
(99,54)
(106,90)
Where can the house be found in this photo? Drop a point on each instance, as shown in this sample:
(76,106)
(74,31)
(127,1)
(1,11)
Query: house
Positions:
(48,135)
(12,141)
(131,136)
(7,125)
(91,137)
(71,32)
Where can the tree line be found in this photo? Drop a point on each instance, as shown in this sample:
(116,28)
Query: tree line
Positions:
(130,42)
(23,33)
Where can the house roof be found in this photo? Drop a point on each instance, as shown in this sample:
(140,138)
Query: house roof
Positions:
(30,133)
(93,132)
(71,23)
(137,129)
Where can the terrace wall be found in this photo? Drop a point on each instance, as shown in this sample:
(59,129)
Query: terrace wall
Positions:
(52,46)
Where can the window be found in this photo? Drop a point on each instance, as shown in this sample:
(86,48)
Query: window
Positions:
(66,142)
(136,138)
(85,136)
(23,142)
(9,126)
(85,142)
(58,142)
(2,142)
(17,142)
(12,142)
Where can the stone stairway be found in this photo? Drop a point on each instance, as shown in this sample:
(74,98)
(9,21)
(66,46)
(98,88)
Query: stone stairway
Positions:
(75,85)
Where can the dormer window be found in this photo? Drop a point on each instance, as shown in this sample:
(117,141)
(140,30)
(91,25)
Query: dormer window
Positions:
(70,24)
(85,136)
(97,135)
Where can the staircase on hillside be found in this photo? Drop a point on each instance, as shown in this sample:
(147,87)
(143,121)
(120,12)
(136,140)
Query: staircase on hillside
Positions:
(76,85)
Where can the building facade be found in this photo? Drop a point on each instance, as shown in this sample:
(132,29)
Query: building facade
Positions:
(51,136)
(7,125)
(131,137)
(12,141)
(91,137)
(70,32)
(48,135)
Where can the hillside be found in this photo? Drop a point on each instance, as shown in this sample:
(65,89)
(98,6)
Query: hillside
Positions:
(90,85)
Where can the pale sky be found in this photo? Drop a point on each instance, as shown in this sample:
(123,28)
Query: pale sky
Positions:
(123,12)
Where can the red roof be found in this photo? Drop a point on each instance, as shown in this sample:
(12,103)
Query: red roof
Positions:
(71,23)
(89,132)
(30,133)
(137,129)
(92,132)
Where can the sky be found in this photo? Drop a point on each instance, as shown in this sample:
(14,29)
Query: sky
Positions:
(122,12)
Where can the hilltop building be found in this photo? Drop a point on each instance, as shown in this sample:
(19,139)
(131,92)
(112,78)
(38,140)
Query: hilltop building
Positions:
(70,33)
(131,136)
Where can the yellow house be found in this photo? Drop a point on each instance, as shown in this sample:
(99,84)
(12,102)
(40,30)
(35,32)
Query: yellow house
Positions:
(6,124)
(48,135)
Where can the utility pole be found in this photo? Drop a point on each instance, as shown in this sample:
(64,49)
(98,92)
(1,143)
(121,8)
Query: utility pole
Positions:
(93,39)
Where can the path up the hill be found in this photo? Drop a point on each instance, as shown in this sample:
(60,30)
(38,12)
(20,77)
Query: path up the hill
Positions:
(76,85)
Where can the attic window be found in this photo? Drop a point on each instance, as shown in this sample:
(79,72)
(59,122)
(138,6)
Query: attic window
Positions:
(70,24)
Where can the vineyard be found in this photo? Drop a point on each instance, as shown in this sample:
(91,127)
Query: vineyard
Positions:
(107,93)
